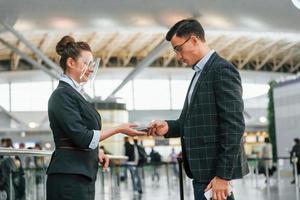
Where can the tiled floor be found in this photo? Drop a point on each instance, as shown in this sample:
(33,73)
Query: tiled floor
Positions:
(246,189)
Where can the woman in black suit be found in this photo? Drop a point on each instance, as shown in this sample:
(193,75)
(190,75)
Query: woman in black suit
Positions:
(76,127)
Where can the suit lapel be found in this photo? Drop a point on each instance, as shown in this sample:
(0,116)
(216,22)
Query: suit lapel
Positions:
(94,111)
(64,84)
(201,78)
(185,105)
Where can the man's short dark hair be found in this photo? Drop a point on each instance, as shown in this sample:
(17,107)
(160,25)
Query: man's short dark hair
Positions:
(267,140)
(186,28)
(297,141)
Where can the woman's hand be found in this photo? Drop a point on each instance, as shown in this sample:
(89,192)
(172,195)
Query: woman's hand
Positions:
(128,129)
(103,160)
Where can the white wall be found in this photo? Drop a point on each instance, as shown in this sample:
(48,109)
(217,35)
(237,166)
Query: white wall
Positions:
(287,115)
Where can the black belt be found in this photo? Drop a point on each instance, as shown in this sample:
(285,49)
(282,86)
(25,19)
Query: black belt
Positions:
(66,143)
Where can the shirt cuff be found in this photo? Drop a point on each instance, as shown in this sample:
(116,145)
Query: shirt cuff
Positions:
(95,140)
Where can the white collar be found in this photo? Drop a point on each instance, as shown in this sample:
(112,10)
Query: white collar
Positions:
(71,82)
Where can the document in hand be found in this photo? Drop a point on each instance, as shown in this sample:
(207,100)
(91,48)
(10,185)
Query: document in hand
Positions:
(141,128)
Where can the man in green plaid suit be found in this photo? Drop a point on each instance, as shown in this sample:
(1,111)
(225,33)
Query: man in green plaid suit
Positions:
(211,124)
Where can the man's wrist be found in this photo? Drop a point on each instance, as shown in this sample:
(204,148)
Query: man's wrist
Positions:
(224,179)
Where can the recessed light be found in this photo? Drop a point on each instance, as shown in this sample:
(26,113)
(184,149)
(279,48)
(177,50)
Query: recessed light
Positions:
(32,125)
(296,3)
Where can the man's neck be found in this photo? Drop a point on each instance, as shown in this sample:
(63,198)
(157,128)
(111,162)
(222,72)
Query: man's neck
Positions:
(202,53)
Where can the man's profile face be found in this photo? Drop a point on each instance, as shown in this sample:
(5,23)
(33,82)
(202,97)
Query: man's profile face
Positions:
(184,48)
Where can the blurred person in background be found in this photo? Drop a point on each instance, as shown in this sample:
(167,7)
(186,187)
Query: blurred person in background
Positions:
(155,160)
(39,169)
(266,162)
(295,152)
(173,160)
(141,153)
(21,145)
(267,154)
(11,166)
(132,152)
(105,151)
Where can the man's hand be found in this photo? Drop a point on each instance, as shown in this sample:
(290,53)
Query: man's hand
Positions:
(103,160)
(158,128)
(220,188)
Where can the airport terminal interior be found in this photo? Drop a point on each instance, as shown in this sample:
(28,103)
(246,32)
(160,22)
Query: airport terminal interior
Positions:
(139,80)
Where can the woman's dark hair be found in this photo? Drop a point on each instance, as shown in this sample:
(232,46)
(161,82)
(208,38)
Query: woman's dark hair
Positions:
(186,28)
(67,47)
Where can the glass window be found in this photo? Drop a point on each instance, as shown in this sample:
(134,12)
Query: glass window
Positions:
(179,90)
(54,84)
(30,96)
(89,88)
(251,90)
(4,97)
(151,94)
(127,95)
(103,88)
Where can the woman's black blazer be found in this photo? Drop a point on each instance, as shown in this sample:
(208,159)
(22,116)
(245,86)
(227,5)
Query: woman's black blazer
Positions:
(72,121)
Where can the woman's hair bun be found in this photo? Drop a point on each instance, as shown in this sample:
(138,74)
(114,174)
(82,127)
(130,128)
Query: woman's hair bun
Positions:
(62,45)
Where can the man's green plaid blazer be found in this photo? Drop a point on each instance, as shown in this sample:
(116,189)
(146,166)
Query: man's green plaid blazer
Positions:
(212,125)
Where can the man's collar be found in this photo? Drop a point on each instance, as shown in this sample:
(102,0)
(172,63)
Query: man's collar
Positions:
(201,63)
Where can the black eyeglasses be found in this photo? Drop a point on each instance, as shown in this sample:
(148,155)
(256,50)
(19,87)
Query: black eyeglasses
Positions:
(178,48)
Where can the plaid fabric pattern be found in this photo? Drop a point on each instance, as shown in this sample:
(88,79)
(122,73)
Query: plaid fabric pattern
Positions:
(212,125)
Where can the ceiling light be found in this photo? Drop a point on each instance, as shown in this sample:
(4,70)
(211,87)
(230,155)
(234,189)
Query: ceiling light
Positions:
(263,119)
(103,22)
(32,125)
(142,21)
(23,134)
(48,145)
(169,18)
(217,21)
(296,3)
(62,23)
(22,25)
(252,22)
